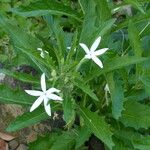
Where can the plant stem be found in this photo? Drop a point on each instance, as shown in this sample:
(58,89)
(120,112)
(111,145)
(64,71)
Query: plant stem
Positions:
(80,63)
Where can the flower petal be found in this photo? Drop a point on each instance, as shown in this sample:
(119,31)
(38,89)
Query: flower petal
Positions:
(33,92)
(47,106)
(39,49)
(42,54)
(52,90)
(85,48)
(43,83)
(107,88)
(100,52)
(97,61)
(88,56)
(95,44)
(37,103)
(54,97)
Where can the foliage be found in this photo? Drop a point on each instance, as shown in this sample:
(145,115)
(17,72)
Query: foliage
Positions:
(118,117)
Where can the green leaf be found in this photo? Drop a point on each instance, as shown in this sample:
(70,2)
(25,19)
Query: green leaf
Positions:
(59,48)
(69,111)
(98,126)
(136,19)
(135,39)
(146,80)
(66,141)
(116,63)
(14,96)
(25,43)
(142,142)
(44,7)
(83,135)
(133,138)
(99,23)
(138,95)
(44,142)
(136,4)
(117,94)
(119,145)
(103,11)
(85,88)
(27,119)
(136,115)
(21,76)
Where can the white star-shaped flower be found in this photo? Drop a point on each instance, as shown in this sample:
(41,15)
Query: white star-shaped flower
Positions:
(44,95)
(92,54)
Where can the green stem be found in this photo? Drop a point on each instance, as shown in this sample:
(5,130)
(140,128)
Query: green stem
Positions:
(80,63)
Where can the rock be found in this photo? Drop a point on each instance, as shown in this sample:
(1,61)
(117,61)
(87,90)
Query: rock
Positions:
(3,145)
(22,147)
(6,136)
(13,145)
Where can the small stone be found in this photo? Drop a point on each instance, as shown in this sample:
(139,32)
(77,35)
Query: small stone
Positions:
(22,147)
(3,145)
(13,144)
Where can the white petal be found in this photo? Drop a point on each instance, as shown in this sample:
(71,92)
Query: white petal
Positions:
(97,61)
(88,56)
(39,49)
(47,106)
(33,92)
(54,97)
(43,83)
(46,52)
(52,90)
(42,54)
(100,52)
(37,103)
(107,88)
(85,48)
(68,47)
(95,44)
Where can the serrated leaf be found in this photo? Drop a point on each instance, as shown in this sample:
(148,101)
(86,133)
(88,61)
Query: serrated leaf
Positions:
(20,76)
(135,42)
(29,118)
(44,142)
(137,95)
(14,96)
(98,126)
(116,63)
(44,7)
(134,39)
(117,94)
(60,36)
(66,141)
(136,115)
(133,138)
(146,80)
(136,4)
(119,145)
(103,11)
(85,88)
(83,135)
(25,43)
(136,19)
(141,143)
(99,23)
(69,111)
